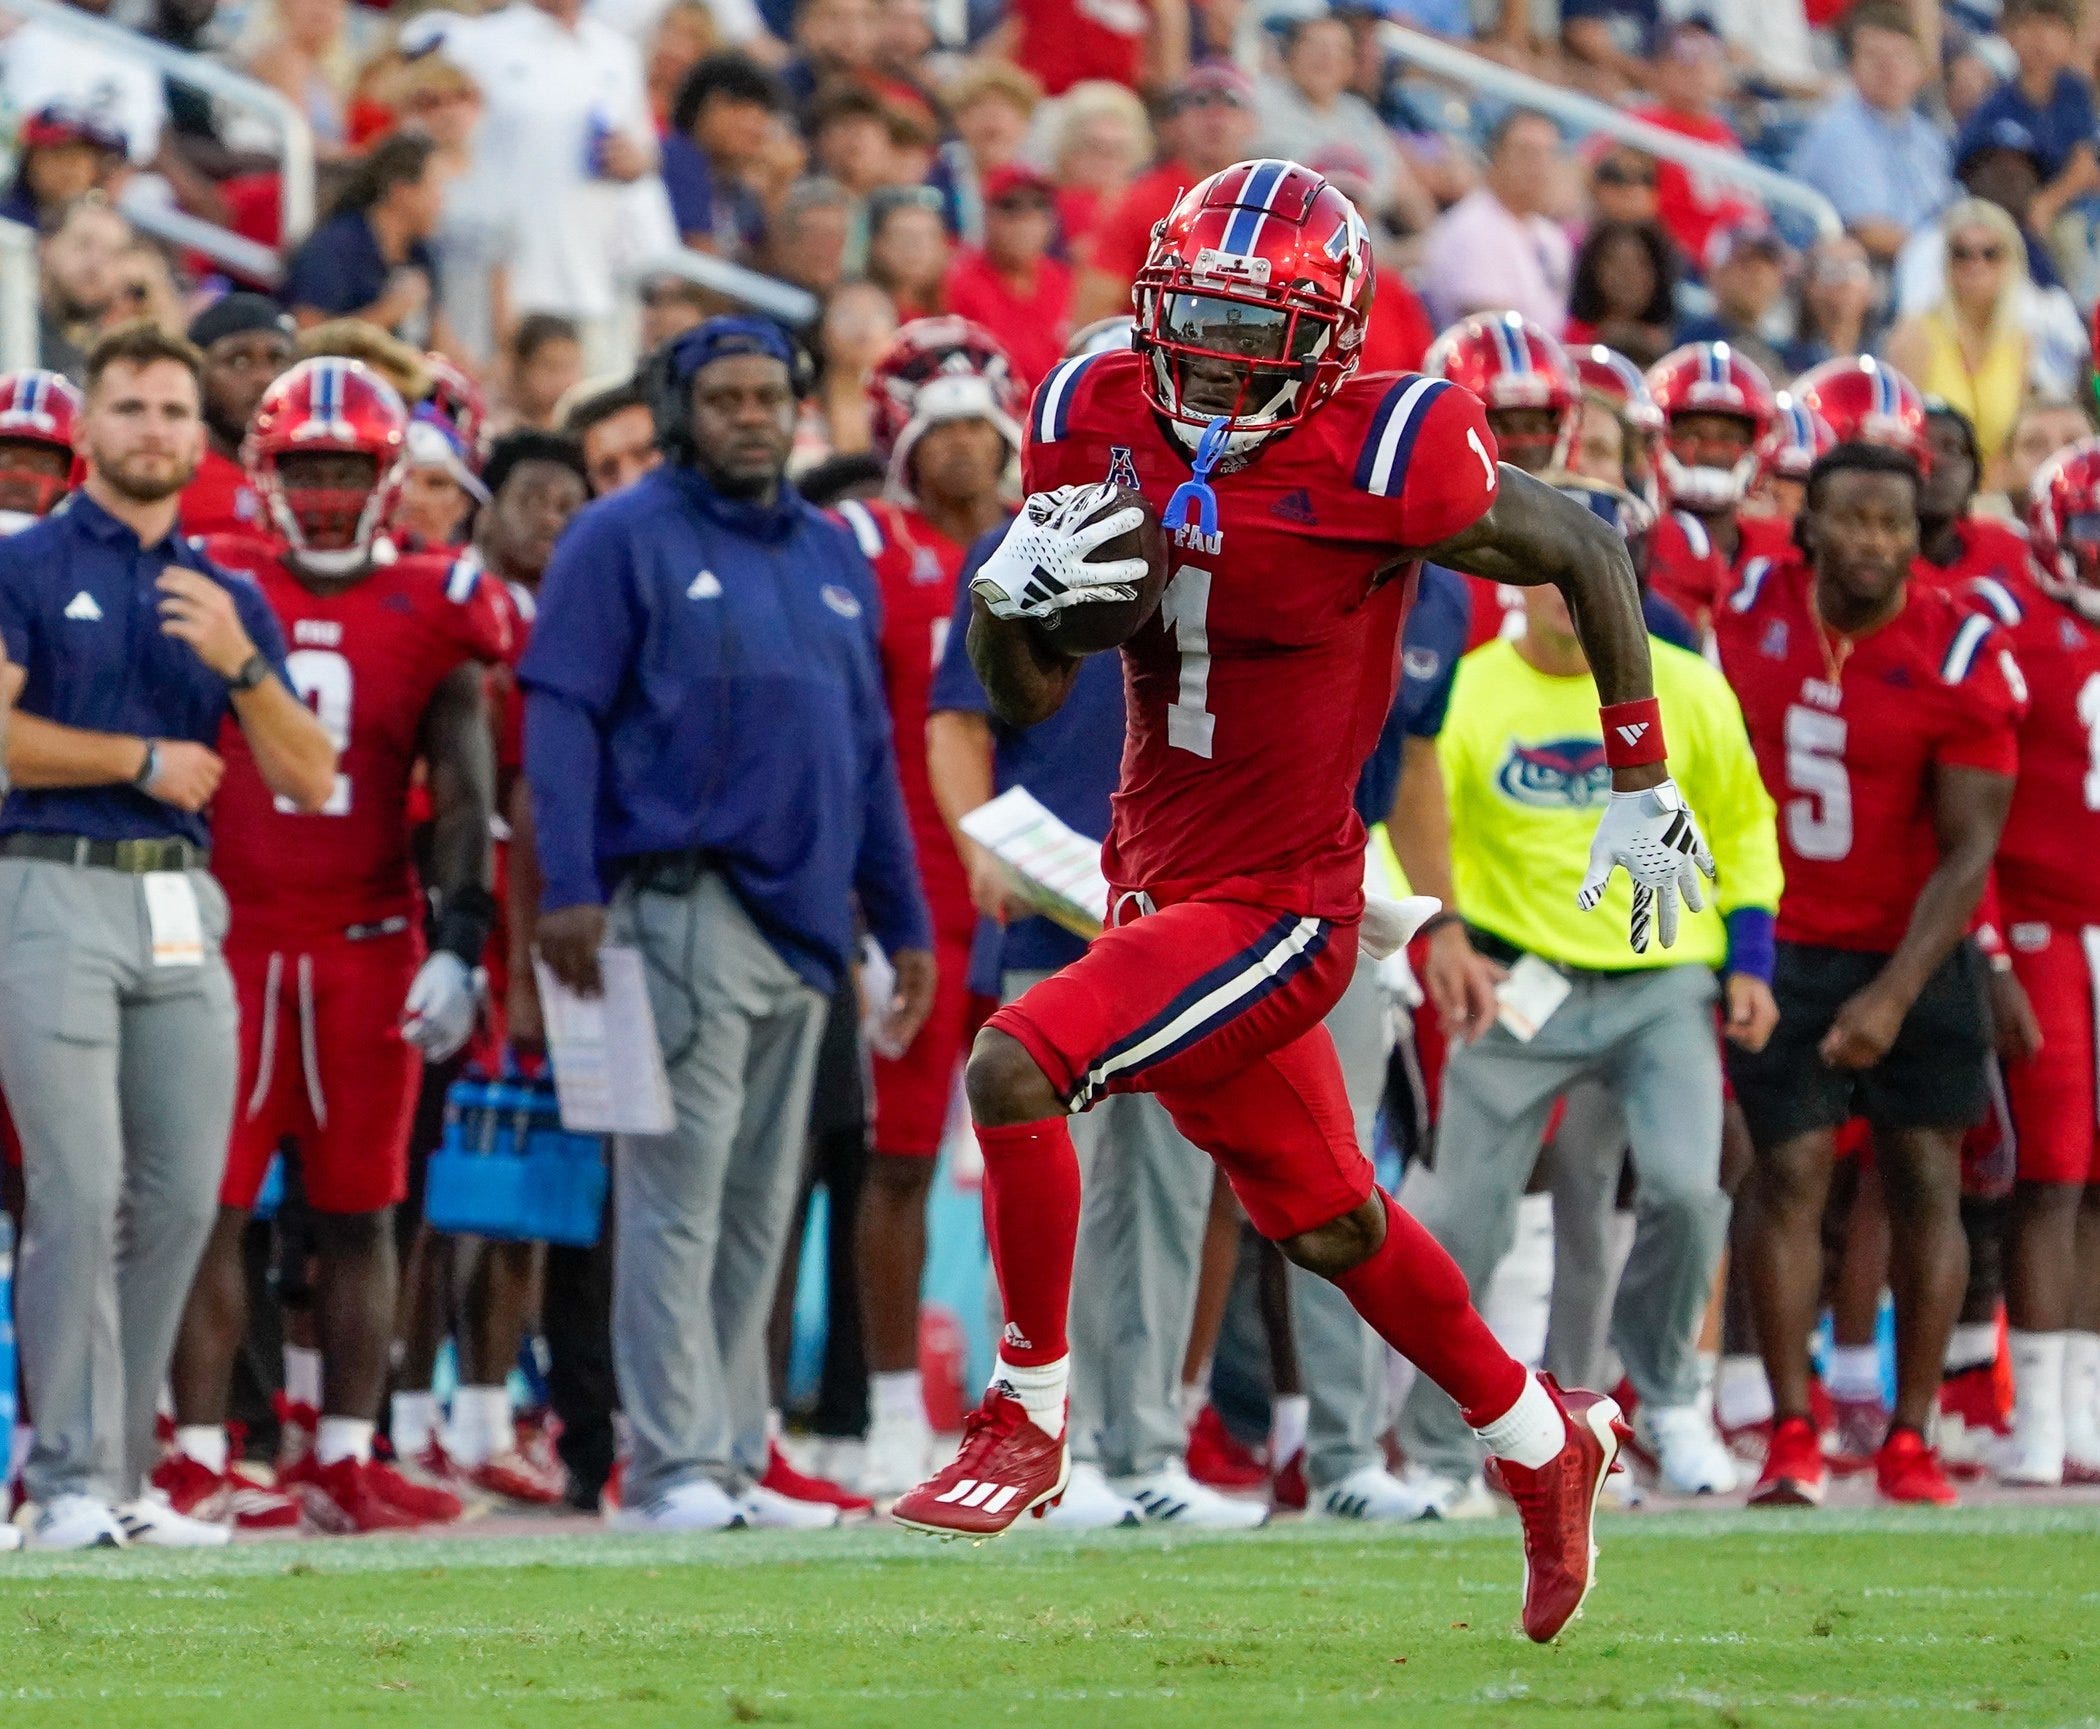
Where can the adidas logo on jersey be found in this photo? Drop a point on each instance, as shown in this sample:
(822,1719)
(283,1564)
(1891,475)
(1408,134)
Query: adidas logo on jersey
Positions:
(1632,733)
(82,608)
(1295,506)
(705,586)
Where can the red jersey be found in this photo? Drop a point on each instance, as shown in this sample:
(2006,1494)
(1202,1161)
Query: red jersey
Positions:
(1065,42)
(1685,567)
(917,568)
(221,499)
(1258,691)
(2052,835)
(1031,326)
(1991,565)
(1848,747)
(1123,238)
(1687,203)
(368,659)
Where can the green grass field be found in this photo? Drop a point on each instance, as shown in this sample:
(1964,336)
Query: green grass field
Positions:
(1726,1618)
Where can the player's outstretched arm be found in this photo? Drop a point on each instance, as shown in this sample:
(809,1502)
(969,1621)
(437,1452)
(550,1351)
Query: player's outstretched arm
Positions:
(1024,681)
(1532,534)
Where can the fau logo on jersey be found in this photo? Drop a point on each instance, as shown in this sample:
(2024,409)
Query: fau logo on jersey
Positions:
(1190,537)
(1561,774)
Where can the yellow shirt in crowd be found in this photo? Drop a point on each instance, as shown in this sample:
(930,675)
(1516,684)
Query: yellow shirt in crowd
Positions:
(1524,770)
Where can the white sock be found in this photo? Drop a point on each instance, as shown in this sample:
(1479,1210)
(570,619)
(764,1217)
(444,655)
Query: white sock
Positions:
(2038,1387)
(480,1426)
(1972,1345)
(2081,1370)
(1040,1390)
(1742,1394)
(203,1442)
(414,1422)
(1530,1432)
(1288,1416)
(1853,1372)
(343,1438)
(896,1394)
(1194,1396)
(302,1376)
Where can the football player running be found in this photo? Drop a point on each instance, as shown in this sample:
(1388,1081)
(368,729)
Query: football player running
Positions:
(339,1003)
(1235,858)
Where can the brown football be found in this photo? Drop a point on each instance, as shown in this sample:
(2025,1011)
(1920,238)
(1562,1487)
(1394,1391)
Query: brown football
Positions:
(1095,626)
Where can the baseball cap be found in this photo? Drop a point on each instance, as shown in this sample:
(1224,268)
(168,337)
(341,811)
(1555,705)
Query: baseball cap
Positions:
(235,315)
(56,124)
(1733,240)
(1017,177)
(1216,82)
(1983,135)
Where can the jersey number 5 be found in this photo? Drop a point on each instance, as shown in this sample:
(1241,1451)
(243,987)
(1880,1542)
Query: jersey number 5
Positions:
(1819,823)
(1185,608)
(322,679)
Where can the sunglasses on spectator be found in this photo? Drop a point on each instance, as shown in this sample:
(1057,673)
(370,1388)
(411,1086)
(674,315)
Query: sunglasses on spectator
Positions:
(1624,174)
(1017,203)
(1977,254)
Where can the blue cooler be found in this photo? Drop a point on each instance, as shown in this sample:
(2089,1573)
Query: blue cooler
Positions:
(506,1168)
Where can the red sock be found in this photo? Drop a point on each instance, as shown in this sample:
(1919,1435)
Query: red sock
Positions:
(1415,1298)
(1031,1216)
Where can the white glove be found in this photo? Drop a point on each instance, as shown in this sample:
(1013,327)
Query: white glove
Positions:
(1652,835)
(438,1017)
(1042,565)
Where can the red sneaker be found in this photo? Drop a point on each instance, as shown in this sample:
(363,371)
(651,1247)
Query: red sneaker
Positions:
(1973,1420)
(1908,1471)
(1290,1492)
(783,1479)
(297,1425)
(426,1503)
(342,1500)
(1795,1474)
(517,1478)
(436,1466)
(1858,1427)
(1007,1467)
(1218,1458)
(1558,1504)
(198,1492)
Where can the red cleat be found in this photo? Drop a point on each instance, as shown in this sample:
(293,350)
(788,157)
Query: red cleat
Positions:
(516,1477)
(1858,1428)
(1007,1467)
(783,1479)
(1974,1419)
(1558,1504)
(1218,1458)
(426,1503)
(1795,1474)
(297,1425)
(1908,1471)
(198,1492)
(342,1500)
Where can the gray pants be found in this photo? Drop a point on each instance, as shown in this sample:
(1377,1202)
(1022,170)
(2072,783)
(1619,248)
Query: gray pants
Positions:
(1341,1360)
(701,1214)
(120,1075)
(1590,1239)
(1650,1037)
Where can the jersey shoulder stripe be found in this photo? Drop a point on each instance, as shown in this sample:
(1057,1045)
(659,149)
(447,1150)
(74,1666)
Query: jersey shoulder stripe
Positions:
(463,578)
(1695,535)
(1051,416)
(1381,465)
(1967,645)
(1753,584)
(866,530)
(2001,602)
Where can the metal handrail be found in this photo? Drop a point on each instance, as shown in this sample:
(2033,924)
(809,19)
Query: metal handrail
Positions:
(245,258)
(793,306)
(295,186)
(19,346)
(1521,90)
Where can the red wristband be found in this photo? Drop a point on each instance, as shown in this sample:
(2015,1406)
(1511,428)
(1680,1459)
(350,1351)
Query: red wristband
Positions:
(1633,733)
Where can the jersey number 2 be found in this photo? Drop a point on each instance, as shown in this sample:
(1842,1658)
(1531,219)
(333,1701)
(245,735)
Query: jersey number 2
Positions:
(1819,823)
(1185,607)
(322,679)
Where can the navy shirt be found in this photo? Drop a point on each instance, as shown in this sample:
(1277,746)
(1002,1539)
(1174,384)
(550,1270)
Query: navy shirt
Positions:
(723,212)
(339,268)
(80,614)
(1070,762)
(2057,127)
(1430,645)
(703,676)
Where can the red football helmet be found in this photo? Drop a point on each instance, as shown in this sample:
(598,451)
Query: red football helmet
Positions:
(328,407)
(1512,365)
(458,400)
(1709,378)
(1799,435)
(2063,526)
(38,409)
(1866,401)
(1252,301)
(940,369)
(1607,373)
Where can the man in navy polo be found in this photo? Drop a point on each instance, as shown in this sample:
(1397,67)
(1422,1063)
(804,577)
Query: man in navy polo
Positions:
(117,1015)
(713,782)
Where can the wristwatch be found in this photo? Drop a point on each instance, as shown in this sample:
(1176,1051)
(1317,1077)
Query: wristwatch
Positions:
(253,671)
(149,770)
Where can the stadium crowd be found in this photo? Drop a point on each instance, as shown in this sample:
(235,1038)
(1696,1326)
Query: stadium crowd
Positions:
(486,414)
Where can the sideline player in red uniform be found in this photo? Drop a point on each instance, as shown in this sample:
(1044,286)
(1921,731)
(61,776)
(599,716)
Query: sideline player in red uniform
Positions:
(1235,858)
(1883,714)
(339,1003)
(247,342)
(2049,901)
(946,422)
(37,413)
(1957,549)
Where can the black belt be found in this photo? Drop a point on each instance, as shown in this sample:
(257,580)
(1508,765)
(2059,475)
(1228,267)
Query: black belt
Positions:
(135,857)
(670,873)
(1505,953)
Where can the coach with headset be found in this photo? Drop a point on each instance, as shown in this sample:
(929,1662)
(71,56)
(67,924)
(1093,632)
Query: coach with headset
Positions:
(714,782)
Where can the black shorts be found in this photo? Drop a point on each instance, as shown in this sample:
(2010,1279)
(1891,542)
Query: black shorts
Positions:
(1932,1077)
